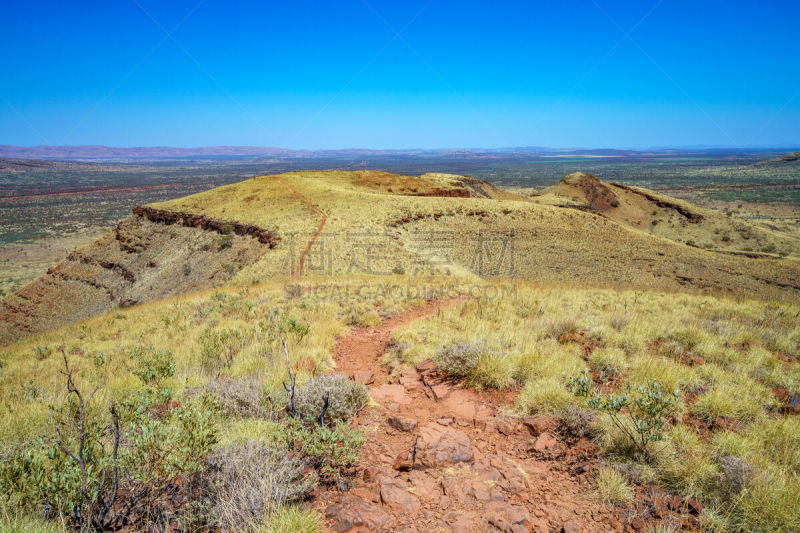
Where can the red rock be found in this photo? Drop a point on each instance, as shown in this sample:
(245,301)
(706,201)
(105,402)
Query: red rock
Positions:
(506,425)
(426,367)
(395,496)
(425,486)
(369,493)
(507,517)
(545,441)
(366,377)
(403,462)
(402,424)
(572,526)
(460,522)
(445,421)
(441,446)
(409,373)
(441,391)
(539,526)
(388,393)
(539,425)
(351,512)
(695,507)
(637,524)
(371,473)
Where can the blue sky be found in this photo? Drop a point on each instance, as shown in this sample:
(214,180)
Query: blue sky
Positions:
(418,73)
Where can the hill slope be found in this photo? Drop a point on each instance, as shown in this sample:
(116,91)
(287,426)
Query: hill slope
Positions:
(790,159)
(323,224)
(661,215)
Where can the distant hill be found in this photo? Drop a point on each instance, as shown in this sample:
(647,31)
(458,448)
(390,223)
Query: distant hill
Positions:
(108,152)
(790,159)
(668,217)
(96,152)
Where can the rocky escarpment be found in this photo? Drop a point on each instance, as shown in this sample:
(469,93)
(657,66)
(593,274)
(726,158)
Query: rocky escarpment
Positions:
(193,220)
(151,255)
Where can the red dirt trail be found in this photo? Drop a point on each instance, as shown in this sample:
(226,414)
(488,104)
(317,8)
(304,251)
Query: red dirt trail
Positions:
(443,457)
(319,228)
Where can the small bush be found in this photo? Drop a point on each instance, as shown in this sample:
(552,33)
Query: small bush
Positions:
(357,315)
(217,348)
(545,396)
(563,326)
(618,321)
(246,482)
(613,488)
(236,397)
(152,366)
(735,474)
(743,401)
(640,414)
(345,397)
(223,242)
(579,422)
(611,360)
(41,352)
(293,519)
(459,358)
(330,450)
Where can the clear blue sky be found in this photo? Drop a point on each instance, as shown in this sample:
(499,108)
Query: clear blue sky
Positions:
(303,74)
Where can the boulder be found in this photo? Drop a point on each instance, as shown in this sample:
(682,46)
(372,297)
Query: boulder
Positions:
(401,423)
(351,512)
(438,446)
(396,497)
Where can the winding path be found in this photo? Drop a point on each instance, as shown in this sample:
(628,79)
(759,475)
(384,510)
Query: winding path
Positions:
(319,228)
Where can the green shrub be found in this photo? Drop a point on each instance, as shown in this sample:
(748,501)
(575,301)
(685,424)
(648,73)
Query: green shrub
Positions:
(345,397)
(89,452)
(152,366)
(640,414)
(330,450)
(217,348)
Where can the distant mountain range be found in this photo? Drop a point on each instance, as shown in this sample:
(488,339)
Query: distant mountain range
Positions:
(95,152)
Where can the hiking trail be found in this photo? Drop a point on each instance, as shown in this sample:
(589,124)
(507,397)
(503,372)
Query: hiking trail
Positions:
(443,457)
(316,234)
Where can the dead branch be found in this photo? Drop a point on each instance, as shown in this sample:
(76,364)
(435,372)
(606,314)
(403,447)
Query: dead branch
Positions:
(325,404)
(76,456)
(290,388)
